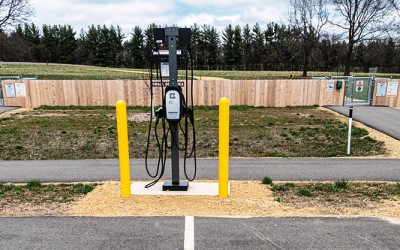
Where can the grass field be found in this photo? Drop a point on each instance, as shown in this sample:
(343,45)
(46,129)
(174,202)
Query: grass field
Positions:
(90,133)
(358,194)
(70,72)
(35,198)
(79,72)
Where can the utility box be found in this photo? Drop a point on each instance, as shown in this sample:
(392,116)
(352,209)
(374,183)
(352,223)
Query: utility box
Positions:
(339,84)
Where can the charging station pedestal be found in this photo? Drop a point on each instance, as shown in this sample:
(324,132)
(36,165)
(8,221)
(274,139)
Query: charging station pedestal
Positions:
(173,103)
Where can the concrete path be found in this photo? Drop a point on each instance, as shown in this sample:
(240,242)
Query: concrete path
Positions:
(5,109)
(289,169)
(197,233)
(383,119)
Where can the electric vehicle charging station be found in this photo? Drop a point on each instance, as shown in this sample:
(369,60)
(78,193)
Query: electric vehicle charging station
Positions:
(174,107)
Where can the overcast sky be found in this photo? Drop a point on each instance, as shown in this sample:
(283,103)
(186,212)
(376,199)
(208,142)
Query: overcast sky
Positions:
(130,13)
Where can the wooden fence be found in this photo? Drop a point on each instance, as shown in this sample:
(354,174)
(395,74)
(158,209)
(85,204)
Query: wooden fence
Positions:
(276,93)
(390,100)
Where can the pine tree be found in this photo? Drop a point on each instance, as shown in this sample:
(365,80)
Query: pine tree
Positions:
(228,47)
(137,48)
(67,43)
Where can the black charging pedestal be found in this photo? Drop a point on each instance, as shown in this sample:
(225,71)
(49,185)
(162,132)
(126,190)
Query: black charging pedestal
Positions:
(171,34)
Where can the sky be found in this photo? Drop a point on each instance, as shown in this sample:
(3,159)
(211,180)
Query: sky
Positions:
(184,13)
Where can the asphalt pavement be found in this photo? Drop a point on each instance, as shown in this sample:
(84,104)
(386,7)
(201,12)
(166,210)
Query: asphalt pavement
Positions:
(47,233)
(5,109)
(383,119)
(207,233)
(285,169)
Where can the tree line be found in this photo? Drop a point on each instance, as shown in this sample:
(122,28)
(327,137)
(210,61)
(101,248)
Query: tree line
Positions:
(274,47)
(303,44)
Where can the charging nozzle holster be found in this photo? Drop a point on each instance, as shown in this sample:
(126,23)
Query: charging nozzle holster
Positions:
(173,103)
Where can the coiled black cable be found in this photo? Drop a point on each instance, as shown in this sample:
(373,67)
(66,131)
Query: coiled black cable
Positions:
(191,119)
(188,117)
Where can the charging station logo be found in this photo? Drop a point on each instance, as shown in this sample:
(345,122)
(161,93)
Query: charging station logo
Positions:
(171,95)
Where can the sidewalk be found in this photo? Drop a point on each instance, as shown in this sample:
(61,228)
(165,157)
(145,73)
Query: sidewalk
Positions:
(285,169)
(5,109)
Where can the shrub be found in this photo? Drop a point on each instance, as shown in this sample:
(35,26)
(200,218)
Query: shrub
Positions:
(285,187)
(340,185)
(33,184)
(304,192)
(267,180)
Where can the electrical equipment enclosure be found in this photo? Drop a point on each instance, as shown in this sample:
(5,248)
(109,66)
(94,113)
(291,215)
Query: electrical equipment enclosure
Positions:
(173,103)
(339,84)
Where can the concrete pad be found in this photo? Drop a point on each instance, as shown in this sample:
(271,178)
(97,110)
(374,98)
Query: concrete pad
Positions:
(195,188)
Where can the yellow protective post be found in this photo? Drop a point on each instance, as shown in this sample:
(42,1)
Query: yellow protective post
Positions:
(123,149)
(223,148)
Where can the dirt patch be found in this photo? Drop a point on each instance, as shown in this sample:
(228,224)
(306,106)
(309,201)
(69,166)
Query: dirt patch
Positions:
(15,111)
(139,117)
(248,198)
(21,116)
(35,199)
(30,209)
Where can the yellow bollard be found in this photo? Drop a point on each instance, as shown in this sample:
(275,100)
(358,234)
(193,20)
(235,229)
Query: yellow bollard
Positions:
(123,149)
(223,148)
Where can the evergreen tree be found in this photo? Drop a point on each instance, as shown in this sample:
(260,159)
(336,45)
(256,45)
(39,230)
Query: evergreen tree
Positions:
(137,48)
(228,47)
(210,41)
(50,41)
(31,35)
(81,54)
(258,47)
(196,46)
(237,47)
(67,44)
(92,42)
(247,44)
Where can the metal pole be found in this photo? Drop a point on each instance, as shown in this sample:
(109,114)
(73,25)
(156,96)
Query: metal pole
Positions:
(172,33)
(350,125)
(123,149)
(223,148)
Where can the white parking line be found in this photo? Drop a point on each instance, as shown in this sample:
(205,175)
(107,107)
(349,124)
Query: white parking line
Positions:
(189,233)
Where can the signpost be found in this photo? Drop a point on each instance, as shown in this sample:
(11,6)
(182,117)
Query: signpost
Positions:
(350,125)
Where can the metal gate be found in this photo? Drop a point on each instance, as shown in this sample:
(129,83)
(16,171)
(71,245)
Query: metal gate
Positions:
(358,90)
(1,95)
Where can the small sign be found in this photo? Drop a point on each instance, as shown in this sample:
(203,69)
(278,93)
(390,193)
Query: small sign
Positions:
(330,85)
(165,69)
(10,90)
(360,86)
(164,84)
(381,89)
(20,89)
(392,88)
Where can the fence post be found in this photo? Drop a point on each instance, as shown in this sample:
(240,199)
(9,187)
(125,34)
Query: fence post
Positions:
(223,148)
(123,149)
(349,133)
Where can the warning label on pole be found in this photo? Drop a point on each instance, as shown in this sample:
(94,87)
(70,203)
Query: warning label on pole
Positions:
(359,86)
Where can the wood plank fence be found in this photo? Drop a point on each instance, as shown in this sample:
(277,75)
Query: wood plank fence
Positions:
(275,93)
(392,100)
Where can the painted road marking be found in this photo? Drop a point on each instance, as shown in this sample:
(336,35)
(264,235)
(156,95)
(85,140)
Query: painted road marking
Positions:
(189,233)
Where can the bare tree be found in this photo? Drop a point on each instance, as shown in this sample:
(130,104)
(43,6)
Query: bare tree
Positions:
(13,12)
(362,20)
(307,18)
